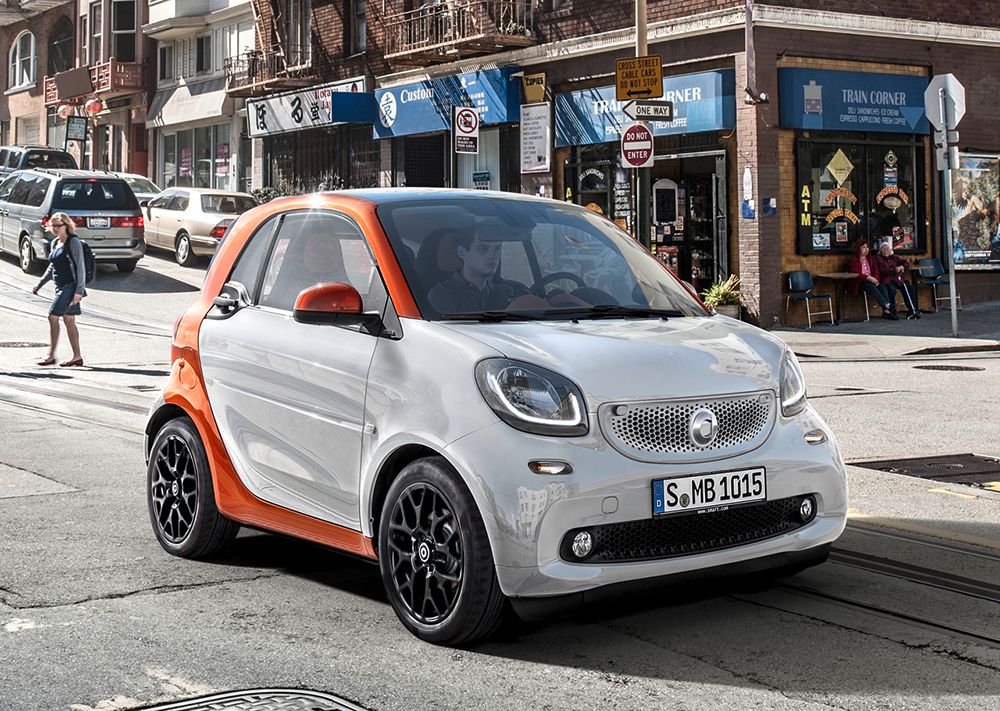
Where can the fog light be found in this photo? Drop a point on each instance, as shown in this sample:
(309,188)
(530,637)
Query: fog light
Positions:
(806,509)
(815,437)
(550,466)
(583,544)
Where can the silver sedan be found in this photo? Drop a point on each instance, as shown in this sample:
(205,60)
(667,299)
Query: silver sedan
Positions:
(192,221)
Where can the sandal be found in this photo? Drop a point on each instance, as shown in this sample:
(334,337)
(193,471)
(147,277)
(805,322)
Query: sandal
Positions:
(71,363)
(47,361)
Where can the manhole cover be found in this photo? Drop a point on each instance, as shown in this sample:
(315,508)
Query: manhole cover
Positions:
(969,469)
(22,344)
(948,367)
(262,700)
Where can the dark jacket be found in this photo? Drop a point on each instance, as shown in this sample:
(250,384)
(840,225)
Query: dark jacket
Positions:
(887,269)
(854,266)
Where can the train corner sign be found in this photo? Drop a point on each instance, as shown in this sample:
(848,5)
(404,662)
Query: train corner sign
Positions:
(637,146)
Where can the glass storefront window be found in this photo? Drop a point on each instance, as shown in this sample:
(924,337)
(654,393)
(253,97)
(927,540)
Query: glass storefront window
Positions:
(204,157)
(185,158)
(199,157)
(222,153)
(855,189)
(168,173)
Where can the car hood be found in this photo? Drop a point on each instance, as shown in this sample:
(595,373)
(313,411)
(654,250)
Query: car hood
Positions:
(616,360)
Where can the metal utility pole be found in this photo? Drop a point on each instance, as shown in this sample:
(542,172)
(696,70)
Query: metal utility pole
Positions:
(948,122)
(642,200)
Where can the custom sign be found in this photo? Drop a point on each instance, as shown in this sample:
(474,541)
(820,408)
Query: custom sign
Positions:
(536,138)
(639,78)
(637,146)
(653,110)
(76,128)
(534,88)
(466,129)
(821,99)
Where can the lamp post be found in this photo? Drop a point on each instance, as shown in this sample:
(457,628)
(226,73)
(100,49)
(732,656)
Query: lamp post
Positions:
(91,109)
(642,200)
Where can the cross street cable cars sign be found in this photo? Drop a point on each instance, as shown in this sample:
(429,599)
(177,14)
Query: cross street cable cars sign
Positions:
(639,78)
(637,146)
(466,127)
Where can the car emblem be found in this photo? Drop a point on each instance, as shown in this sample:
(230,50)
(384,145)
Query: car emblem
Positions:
(704,427)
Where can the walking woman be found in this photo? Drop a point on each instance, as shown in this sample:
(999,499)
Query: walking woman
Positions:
(68,270)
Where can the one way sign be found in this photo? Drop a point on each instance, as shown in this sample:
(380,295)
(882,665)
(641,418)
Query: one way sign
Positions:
(649,110)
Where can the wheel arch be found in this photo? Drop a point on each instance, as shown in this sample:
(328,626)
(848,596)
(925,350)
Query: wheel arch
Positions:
(387,473)
(164,414)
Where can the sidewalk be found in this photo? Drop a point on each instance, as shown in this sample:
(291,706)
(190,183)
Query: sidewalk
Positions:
(978,329)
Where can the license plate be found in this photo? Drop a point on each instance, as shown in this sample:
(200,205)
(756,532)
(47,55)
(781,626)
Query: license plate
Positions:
(708,492)
(98,222)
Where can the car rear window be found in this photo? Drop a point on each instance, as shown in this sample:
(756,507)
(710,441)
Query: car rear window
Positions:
(49,159)
(90,194)
(226,204)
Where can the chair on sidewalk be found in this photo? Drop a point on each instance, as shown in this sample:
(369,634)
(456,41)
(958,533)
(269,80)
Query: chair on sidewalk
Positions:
(800,286)
(933,274)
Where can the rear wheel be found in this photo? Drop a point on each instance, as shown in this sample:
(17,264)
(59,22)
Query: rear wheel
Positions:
(182,250)
(126,265)
(435,557)
(180,495)
(26,257)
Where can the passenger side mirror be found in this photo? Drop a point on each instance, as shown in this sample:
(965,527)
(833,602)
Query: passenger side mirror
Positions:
(335,304)
(144,203)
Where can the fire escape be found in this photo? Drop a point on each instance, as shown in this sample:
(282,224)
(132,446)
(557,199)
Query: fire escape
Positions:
(277,65)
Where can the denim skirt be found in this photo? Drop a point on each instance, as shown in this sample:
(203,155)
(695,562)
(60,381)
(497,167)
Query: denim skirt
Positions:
(62,304)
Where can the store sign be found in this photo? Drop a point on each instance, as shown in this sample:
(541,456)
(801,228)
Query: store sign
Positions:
(481,180)
(426,107)
(536,138)
(317,106)
(704,101)
(76,128)
(534,88)
(637,146)
(465,128)
(820,99)
(975,193)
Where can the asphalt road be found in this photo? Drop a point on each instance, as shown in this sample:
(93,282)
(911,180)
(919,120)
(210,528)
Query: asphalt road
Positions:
(94,615)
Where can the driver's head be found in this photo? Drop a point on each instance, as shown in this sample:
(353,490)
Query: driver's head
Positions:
(479,253)
(321,253)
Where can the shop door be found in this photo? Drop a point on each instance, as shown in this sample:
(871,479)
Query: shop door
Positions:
(590,185)
(423,161)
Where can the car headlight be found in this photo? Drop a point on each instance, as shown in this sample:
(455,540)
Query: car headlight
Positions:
(532,399)
(793,386)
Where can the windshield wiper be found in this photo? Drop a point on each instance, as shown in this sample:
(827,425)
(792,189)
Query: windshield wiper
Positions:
(612,311)
(490,316)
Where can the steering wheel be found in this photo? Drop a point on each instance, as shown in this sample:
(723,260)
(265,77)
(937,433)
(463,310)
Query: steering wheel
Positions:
(539,287)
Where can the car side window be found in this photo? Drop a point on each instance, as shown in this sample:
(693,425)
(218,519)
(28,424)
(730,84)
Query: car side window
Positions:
(36,195)
(180,202)
(317,247)
(6,187)
(248,264)
(3,156)
(161,200)
(20,192)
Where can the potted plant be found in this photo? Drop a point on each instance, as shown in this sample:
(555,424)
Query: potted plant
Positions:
(724,297)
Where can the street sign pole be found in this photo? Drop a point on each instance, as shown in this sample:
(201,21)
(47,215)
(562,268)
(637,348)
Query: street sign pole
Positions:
(642,208)
(947,126)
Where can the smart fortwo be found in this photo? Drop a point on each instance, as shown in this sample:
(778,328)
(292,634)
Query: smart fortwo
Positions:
(503,400)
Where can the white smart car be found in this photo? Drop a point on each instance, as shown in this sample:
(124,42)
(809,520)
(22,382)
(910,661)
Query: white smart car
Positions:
(499,398)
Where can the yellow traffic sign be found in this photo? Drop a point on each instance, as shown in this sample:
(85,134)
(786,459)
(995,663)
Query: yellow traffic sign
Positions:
(639,78)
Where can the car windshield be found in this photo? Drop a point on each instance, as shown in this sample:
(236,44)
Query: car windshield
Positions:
(92,194)
(493,258)
(227,204)
(49,159)
(140,185)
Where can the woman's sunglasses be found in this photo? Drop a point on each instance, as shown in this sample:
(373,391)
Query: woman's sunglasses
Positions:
(58,224)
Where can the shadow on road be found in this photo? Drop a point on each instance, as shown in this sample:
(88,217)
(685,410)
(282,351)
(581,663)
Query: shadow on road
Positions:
(141,281)
(128,371)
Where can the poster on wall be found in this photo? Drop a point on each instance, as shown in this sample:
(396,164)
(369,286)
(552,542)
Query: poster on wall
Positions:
(536,137)
(975,210)
(222,159)
(187,156)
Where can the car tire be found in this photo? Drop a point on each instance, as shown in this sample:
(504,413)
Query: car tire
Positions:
(180,496)
(126,266)
(435,557)
(26,257)
(182,250)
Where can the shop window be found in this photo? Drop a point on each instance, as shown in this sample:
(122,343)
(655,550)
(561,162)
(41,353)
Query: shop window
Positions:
(203,54)
(975,210)
(123,31)
(851,189)
(358,27)
(165,61)
(61,47)
(21,69)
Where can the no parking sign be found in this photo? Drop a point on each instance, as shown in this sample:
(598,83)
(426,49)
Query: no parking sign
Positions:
(466,128)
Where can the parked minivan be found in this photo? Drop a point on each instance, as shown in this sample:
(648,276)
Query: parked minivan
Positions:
(102,205)
(22,157)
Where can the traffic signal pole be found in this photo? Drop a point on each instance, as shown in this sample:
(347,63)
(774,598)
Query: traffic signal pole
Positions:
(642,208)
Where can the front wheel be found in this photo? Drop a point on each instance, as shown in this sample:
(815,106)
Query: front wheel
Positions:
(180,495)
(183,252)
(435,558)
(26,257)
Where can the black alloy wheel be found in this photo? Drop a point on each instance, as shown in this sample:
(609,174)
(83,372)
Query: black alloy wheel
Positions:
(180,495)
(435,558)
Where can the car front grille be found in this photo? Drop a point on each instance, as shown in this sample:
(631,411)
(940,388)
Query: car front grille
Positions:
(688,534)
(660,431)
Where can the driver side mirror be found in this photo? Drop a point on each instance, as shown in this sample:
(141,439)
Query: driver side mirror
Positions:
(144,203)
(334,304)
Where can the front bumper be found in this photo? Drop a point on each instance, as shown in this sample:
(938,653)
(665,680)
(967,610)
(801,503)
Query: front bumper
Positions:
(527,515)
(133,249)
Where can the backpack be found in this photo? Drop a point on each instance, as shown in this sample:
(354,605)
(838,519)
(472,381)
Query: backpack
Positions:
(89,262)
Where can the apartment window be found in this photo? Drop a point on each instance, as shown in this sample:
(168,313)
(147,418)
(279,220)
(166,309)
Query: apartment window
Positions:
(21,71)
(166,62)
(359,26)
(123,31)
(203,54)
(96,25)
(298,32)
(83,41)
(61,47)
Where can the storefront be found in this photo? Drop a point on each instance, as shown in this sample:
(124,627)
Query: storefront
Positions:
(861,171)
(318,138)
(196,136)
(690,175)
(417,119)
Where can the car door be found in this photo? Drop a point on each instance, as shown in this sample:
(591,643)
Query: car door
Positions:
(152,221)
(172,217)
(289,397)
(11,211)
(6,243)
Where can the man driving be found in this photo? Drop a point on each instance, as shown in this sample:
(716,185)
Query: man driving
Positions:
(472,288)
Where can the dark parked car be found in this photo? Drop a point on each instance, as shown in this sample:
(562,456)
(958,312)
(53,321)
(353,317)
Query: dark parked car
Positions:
(22,157)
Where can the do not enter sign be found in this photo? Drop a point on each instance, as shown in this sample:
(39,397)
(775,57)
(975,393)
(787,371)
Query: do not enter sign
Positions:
(637,146)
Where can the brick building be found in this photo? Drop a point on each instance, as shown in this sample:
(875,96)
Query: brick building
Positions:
(789,143)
